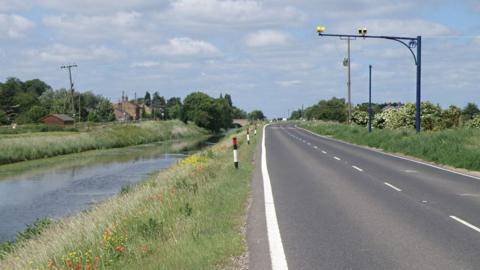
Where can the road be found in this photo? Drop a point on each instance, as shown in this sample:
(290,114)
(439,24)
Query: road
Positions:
(339,206)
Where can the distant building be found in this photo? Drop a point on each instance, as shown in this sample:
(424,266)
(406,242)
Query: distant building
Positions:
(57,119)
(127,111)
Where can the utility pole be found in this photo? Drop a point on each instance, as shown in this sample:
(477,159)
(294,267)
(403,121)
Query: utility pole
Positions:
(346,63)
(69,67)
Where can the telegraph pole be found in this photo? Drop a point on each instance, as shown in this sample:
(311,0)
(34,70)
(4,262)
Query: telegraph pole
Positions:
(346,63)
(69,67)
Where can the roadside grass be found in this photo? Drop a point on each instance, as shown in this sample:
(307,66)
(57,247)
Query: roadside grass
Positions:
(459,147)
(32,146)
(189,216)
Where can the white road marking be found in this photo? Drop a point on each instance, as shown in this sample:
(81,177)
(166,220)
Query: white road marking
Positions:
(337,158)
(309,143)
(469,195)
(315,147)
(392,155)
(324,152)
(277,254)
(357,168)
(394,187)
(466,223)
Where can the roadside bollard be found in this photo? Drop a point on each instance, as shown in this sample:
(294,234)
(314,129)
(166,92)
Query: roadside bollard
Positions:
(255,131)
(235,154)
(248,136)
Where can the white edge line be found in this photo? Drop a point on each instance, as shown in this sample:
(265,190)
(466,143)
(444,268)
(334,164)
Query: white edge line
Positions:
(391,155)
(466,223)
(392,186)
(337,158)
(277,254)
(324,152)
(357,168)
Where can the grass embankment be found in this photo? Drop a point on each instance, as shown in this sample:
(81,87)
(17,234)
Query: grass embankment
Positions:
(459,148)
(30,146)
(187,217)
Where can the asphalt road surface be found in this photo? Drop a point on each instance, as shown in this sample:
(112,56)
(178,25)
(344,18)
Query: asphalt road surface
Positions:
(339,206)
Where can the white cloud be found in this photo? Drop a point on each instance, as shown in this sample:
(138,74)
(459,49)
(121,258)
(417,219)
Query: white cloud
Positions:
(233,12)
(288,83)
(186,47)
(14,26)
(163,65)
(61,53)
(119,24)
(266,38)
(395,27)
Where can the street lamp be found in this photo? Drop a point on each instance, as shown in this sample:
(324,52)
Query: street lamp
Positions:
(410,43)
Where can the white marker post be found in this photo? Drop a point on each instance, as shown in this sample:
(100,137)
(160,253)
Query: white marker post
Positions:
(235,154)
(248,136)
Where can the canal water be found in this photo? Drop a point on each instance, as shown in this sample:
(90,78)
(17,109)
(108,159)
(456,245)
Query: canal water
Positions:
(69,184)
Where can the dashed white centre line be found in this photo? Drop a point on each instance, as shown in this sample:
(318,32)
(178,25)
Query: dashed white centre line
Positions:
(392,186)
(309,143)
(466,223)
(324,152)
(337,158)
(315,147)
(357,168)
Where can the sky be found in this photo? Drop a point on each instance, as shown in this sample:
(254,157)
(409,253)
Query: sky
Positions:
(265,54)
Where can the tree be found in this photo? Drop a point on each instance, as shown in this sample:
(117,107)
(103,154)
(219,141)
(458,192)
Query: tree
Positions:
(238,113)
(197,107)
(470,110)
(147,99)
(174,106)
(450,118)
(158,106)
(228,98)
(296,115)
(104,111)
(3,118)
(35,113)
(256,115)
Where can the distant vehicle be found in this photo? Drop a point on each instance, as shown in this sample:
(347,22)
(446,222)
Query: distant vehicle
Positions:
(284,119)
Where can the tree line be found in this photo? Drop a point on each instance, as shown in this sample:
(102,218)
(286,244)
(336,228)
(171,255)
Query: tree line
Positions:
(393,115)
(29,101)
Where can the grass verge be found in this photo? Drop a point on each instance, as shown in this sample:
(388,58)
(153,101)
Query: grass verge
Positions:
(32,146)
(186,217)
(458,148)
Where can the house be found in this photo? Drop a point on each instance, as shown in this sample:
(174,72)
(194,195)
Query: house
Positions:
(127,111)
(57,119)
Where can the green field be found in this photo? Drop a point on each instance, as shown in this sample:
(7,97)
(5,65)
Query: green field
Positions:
(37,145)
(189,216)
(458,148)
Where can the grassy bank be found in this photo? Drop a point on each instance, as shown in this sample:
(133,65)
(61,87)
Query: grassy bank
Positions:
(186,217)
(30,146)
(459,148)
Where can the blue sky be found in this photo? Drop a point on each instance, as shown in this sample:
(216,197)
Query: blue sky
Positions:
(264,53)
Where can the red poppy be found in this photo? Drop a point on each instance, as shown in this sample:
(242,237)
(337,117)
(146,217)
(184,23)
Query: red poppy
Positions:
(120,248)
(69,264)
(79,266)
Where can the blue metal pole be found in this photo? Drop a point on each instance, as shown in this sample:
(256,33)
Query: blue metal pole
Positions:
(419,86)
(370,99)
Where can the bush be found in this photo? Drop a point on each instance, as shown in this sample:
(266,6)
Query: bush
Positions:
(475,122)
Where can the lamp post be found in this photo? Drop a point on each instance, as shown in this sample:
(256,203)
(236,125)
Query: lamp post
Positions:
(410,43)
(370,98)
